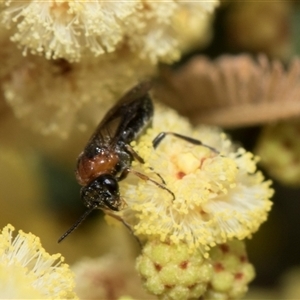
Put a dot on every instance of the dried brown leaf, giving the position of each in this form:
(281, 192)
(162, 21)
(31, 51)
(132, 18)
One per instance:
(233, 91)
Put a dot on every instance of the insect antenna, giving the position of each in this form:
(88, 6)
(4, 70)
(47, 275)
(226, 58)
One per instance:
(76, 224)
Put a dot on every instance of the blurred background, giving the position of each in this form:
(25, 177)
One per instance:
(249, 53)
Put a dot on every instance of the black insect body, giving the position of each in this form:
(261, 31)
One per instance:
(107, 157)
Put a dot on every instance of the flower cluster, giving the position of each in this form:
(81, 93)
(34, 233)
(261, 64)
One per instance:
(27, 271)
(108, 277)
(219, 194)
(279, 149)
(232, 271)
(67, 29)
(55, 97)
(170, 272)
(203, 196)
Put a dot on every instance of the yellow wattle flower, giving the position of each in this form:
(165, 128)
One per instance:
(27, 271)
(218, 195)
(69, 28)
(108, 277)
(169, 271)
(54, 97)
(279, 149)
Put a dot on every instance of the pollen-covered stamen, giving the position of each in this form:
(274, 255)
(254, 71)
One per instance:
(28, 271)
(69, 29)
(61, 12)
(217, 196)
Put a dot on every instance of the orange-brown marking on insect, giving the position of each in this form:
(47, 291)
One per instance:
(90, 169)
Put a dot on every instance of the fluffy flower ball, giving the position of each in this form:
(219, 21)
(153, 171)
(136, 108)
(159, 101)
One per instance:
(55, 97)
(279, 149)
(218, 195)
(67, 29)
(27, 271)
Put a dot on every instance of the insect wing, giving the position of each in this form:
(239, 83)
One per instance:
(118, 119)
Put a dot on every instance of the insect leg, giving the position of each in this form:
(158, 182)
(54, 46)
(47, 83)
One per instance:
(125, 224)
(146, 178)
(140, 160)
(123, 174)
(158, 175)
(188, 139)
(134, 154)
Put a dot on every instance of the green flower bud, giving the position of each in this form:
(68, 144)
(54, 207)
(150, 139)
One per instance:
(231, 272)
(172, 272)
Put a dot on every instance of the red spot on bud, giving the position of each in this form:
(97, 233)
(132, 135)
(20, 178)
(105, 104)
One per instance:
(224, 248)
(157, 267)
(183, 265)
(169, 286)
(192, 286)
(239, 276)
(180, 175)
(243, 258)
(218, 267)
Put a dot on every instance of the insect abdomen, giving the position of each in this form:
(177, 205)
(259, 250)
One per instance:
(89, 169)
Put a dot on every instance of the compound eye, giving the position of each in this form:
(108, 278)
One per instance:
(111, 184)
(103, 192)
